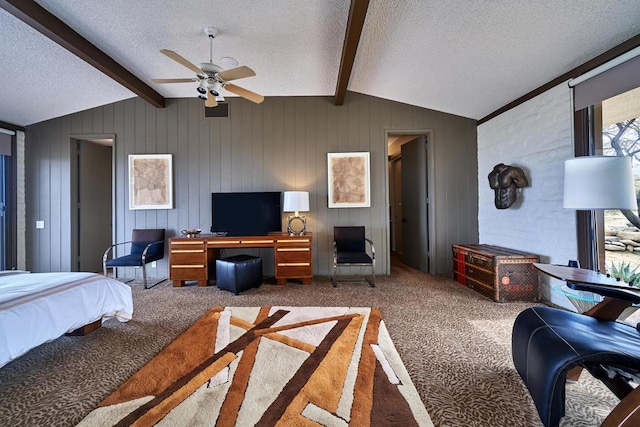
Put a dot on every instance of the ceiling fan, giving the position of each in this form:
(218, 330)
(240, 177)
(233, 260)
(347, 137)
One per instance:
(213, 78)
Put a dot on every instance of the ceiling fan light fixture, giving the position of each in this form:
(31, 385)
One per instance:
(215, 87)
(202, 87)
(203, 96)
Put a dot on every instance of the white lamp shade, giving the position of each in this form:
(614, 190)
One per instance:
(599, 182)
(296, 201)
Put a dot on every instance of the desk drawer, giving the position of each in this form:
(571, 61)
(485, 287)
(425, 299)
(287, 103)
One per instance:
(241, 242)
(188, 256)
(293, 241)
(187, 272)
(294, 269)
(183, 243)
(284, 255)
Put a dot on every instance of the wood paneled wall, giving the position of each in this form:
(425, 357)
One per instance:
(279, 145)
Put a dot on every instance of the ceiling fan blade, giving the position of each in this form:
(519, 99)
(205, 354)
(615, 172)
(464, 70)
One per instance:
(245, 93)
(171, 54)
(174, 80)
(236, 73)
(211, 102)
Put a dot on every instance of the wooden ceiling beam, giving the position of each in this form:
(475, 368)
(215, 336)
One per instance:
(48, 24)
(355, 23)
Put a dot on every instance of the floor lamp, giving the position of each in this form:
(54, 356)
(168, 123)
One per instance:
(598, 183)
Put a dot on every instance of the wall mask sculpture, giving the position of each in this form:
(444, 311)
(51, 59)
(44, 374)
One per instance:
(505, 181)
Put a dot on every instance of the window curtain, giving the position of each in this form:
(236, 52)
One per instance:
(614, 81)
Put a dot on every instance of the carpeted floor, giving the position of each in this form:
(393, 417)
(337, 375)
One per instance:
(454, 343)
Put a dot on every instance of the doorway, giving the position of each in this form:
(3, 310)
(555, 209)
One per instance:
(92, 199)
(409, 209)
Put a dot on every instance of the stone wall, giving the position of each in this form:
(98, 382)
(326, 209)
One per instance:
(537, 137)
(622, 238)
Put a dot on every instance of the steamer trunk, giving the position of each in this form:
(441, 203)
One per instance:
(498, 273)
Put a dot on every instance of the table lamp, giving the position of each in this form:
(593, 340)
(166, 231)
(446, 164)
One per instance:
(599, 182)
(296, 201)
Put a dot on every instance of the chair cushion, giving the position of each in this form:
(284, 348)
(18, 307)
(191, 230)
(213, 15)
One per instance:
(132, 260)
(353, 258)
(548, 342)
(349, 239)
(154, 250)
(140, 238)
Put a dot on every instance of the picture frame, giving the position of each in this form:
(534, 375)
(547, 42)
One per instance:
(349, 179)
(150, 181)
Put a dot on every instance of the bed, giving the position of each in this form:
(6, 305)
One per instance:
(39, 307)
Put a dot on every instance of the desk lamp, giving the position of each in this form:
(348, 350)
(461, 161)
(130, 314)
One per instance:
(296, 201)
(598, 182)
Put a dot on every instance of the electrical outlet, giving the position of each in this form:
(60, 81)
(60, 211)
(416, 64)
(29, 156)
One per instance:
(39, 224)
(153, 264)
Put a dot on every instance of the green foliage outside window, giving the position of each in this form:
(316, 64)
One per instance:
(625, 273)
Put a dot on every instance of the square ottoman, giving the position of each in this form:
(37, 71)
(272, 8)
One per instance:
(238, 273)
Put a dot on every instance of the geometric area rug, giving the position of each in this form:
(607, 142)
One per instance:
(267, 366)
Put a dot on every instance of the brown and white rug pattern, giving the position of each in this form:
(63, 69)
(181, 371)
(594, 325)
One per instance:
(327, 366)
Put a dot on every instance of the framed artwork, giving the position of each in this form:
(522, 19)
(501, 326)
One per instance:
(349, 178)
(150, 181)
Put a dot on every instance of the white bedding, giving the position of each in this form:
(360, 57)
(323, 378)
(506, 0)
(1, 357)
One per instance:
(40, 307)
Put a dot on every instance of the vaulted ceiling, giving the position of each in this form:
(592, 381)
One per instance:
(465, 57)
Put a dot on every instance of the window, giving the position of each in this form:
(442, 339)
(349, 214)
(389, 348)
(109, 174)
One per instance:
(7, 203)
(606, 120)
(619, 122)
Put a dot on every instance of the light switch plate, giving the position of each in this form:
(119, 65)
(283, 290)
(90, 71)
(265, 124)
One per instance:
(39, 224)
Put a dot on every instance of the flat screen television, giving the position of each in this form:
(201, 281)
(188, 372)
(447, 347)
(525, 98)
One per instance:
(246, 214)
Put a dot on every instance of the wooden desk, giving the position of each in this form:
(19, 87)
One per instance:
(195, 258)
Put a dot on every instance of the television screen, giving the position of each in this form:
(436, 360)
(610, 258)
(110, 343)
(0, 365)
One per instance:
(246, 214)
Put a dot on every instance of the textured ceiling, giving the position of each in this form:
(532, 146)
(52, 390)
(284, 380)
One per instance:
(462, 57)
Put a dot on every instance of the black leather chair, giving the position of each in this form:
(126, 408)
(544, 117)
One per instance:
(147, 245)
(349, 250)
(551, 345)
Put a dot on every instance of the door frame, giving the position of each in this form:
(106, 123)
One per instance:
(431, 220)
(74, 140)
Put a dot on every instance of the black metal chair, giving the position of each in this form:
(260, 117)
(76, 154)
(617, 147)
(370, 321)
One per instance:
(147, 245)
(550, 345)
(349, 250)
